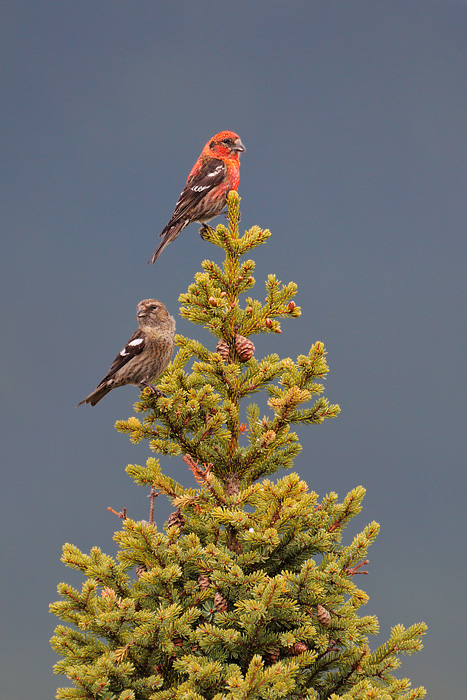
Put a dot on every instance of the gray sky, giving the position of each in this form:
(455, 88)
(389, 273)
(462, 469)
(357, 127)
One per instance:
(354, 116)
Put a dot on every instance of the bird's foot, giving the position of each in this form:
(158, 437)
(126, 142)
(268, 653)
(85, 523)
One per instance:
(206, 232)
(153, 389)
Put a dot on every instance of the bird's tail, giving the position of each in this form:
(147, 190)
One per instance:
(168, 235)
(96, 395)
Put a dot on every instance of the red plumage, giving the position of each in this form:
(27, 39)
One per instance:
(215, 173)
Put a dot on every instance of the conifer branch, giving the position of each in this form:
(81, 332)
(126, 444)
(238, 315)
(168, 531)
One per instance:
(204, 477)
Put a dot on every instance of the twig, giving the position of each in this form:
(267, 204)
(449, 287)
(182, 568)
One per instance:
(354, 570)
(121, 515)
(153, 495)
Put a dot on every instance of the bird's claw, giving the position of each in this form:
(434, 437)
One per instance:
(206, 231)
(153, 389)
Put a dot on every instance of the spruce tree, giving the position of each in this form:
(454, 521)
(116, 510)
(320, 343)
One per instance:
(248, 590)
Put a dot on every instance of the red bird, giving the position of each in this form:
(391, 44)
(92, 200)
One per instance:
(215, 173)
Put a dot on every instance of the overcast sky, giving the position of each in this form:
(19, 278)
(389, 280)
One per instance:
(354, 116)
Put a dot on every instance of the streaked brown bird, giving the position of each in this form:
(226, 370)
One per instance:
(145, 356)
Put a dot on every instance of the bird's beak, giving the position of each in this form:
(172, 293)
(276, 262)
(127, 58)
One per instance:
(238, 146)
(141, 312)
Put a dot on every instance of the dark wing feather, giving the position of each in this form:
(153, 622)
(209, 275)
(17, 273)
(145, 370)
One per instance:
(210, 175)
(134, 347)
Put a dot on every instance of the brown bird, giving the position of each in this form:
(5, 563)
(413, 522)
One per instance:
(145, 356)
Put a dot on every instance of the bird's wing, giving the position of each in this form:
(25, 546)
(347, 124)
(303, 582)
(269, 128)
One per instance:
(210, 175)
(133, 347)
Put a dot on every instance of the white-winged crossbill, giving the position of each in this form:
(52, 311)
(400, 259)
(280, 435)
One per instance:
(146, 354)
(215, 173)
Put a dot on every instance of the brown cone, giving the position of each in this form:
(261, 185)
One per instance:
(220, 602)
(323, 615)
(272, 655)
(176, 519)
(244, 347)
(203, 582)
(223, 349)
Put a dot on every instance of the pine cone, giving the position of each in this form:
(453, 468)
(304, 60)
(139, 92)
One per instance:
(223, 349)
(271, 655)
(140, 569)
(176, 519)
(299, 648)
(323, 615)
(203, 582)
(220, 602)
(244, 347)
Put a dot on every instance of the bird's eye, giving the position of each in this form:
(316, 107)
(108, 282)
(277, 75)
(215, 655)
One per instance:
(228, 142)
(153, 307)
